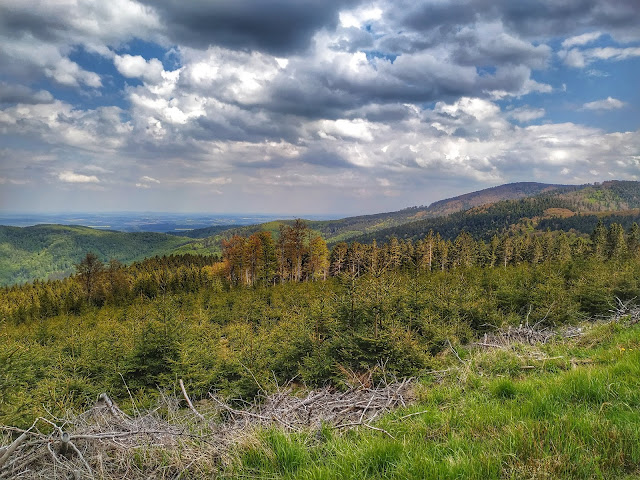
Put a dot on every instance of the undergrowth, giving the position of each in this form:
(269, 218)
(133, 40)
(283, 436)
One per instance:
(574, 414)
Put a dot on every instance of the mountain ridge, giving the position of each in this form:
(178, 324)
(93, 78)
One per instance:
(51, 251)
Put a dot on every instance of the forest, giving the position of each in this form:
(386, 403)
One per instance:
(289, 310)
(49, 252)
(293, 309)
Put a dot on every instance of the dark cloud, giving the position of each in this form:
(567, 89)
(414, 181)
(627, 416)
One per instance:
(324, 158)
(488, 48)
(550, 18)
(533, 19)
(418, 78)
(240, 130)
(424, 16)
(275, 26)
(308, 95)
(15, 22)
(13, 94)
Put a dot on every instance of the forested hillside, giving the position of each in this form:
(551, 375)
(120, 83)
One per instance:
(350, 227)
(485, 213)
(290, 311)
(51, 251)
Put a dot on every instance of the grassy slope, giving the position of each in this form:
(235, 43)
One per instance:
(44, 250)
(503, 414)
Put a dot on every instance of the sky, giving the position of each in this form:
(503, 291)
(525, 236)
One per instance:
(310, 106)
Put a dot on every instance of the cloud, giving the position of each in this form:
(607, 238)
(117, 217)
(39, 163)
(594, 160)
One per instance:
(272, 98)
(58, 123)
(597, 73)
(279, 27)
(147, 179)
(26, 56)
(135, 66)
(581, 58)
(581, 39)
(71, 177)
(38, 37)
(526, 114)
(573, 58)
(207, 181)
(539, 20)
(612, 53)
(608, 103)
(489, 44)
(78, 21)
(12, 93)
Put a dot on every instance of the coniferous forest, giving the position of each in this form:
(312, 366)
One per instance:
(284, 309)
(290, 308)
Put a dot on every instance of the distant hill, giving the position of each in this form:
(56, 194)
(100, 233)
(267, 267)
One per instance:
(348, 228)
(575, 208)
(51, 251)
(509, 191)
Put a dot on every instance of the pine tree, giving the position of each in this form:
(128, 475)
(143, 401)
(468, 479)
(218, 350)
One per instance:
(599, 240)
(633, 241)
(616, 242)
(89, 271)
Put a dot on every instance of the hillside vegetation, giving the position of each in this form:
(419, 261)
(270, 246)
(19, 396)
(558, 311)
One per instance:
(486, 212)
(289, 312)
(347, 228)
(51, 251)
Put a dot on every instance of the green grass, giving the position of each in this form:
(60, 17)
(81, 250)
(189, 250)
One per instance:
(575, 421)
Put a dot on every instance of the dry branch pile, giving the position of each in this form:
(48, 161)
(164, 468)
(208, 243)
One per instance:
(104, 442)
(523, 334)
(628, 311)
(357, 406)
(170, 442)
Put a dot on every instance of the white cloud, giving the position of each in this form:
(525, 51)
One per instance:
(207, 181)
(581, 58)
(343, 128)
(612, 53)
(526, 114)
(597, 73)
(573, 58)
(71, 177)
(135, 66)
(608, 103)
(581, 39)
(149, 179)
(355, 18)
(13, 181)
(69, 73)
(28, 52)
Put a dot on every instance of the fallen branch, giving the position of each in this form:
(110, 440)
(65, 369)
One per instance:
(101, 439)
(191, 407)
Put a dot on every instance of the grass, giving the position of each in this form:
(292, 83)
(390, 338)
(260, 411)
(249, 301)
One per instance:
(577, 420)
(566, 410)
